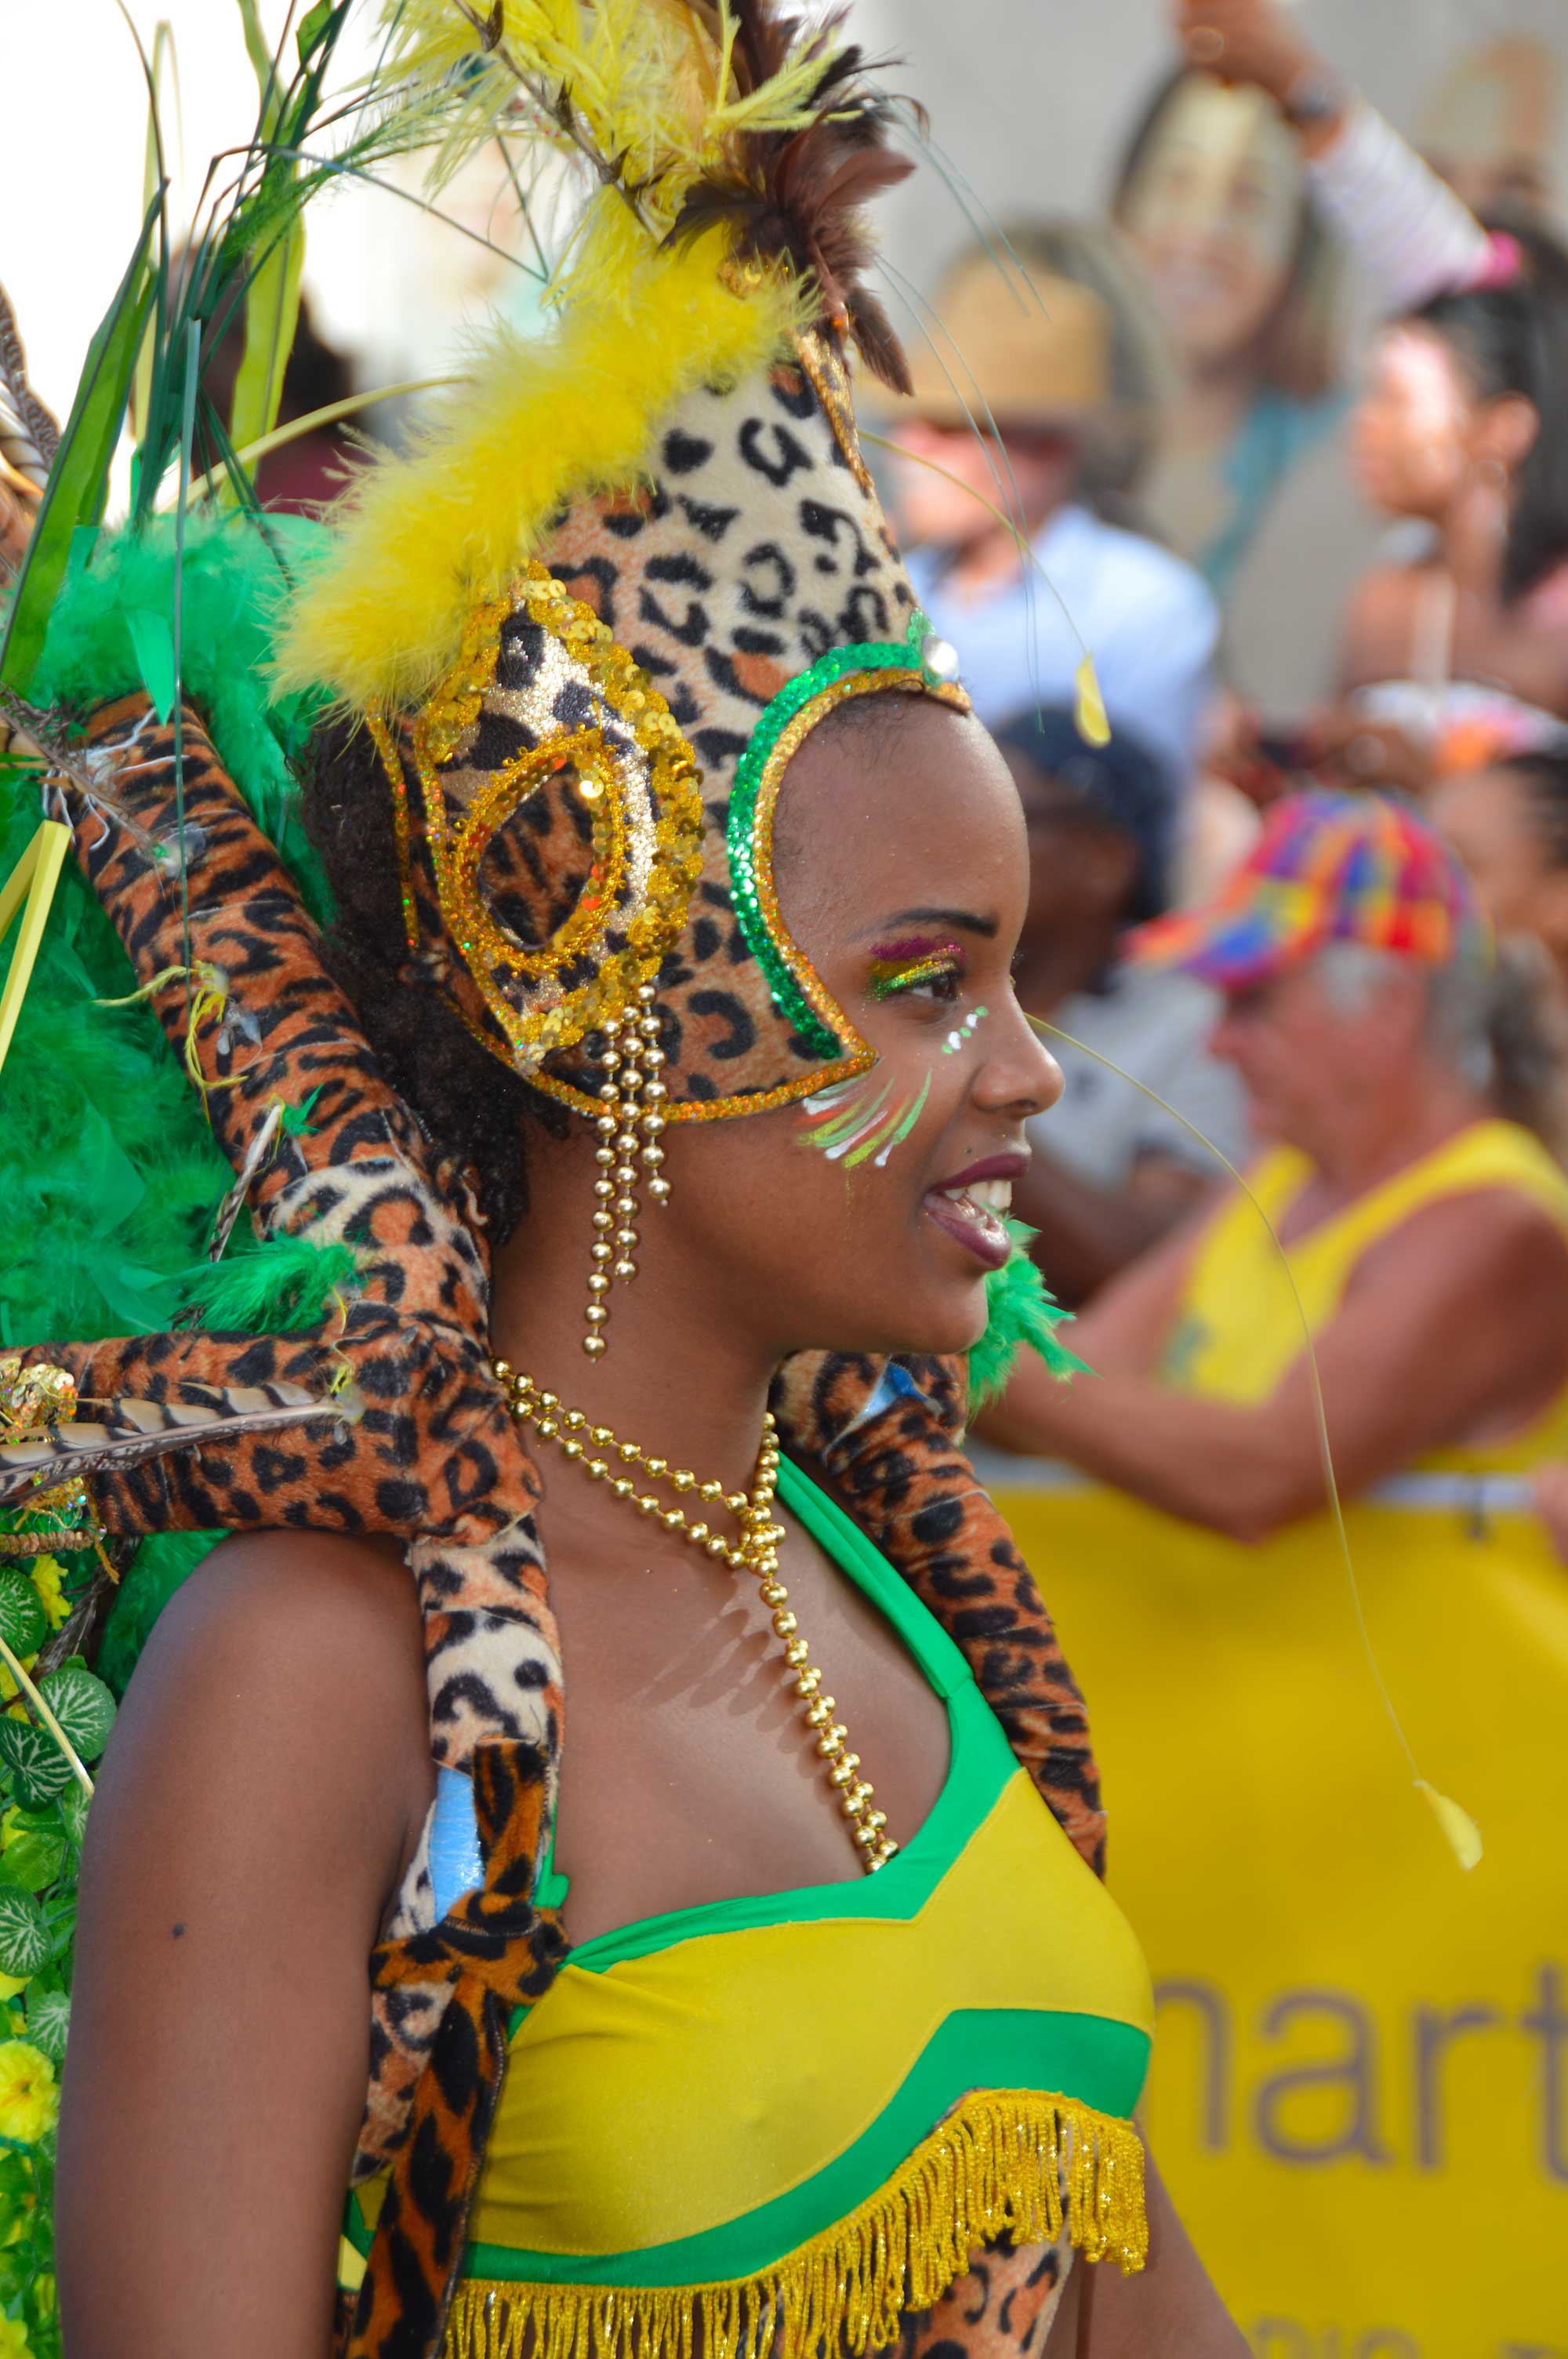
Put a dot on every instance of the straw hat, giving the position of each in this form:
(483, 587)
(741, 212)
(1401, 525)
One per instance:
(1040, 358)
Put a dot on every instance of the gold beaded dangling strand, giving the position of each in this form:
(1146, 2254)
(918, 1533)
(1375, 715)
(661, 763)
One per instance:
(756, 1551)
(632, 1099)
(654, 1093)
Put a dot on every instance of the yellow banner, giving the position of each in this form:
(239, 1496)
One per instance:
(1359, 2091)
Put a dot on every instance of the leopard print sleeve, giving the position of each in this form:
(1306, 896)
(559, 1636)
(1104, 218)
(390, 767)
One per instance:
(899, 1467)
(384, 1417)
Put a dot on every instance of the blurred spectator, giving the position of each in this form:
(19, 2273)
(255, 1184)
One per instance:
(1510, 826)
(1218, 824)
(1427, 1240)
(308, 469)
(1462, 653)
(1035, 368)
(1551, 1504)
(1253, 165)
(23, 472)
(1493, 126)
(1110, 1171)
(18, 513)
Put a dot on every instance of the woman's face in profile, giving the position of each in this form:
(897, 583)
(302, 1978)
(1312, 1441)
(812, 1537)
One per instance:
(1410, 436)
(1214, 211)
(869, 1218)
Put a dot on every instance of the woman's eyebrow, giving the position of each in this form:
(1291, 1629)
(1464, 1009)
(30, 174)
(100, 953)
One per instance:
(967, 921)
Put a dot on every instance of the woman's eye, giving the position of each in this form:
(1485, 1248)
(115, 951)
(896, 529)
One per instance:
(930, 974)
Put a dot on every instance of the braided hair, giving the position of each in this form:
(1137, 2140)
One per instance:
(470, 1103)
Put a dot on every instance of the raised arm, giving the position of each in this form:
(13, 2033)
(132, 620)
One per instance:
(1407, 230)
(1460, 1316)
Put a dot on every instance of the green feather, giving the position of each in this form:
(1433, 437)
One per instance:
(280, 1289)
(230, 586)
(109, 1176)
(1021, 1311)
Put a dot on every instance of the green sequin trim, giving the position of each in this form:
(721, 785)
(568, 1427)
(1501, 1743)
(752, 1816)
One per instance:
(748, 884)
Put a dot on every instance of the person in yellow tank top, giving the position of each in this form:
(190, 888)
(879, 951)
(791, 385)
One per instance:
(1427, 1240)
(1354, 2039)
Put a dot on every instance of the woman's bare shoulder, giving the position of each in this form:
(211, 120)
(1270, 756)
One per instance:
(297, 1590)
(292, 1655)
(1378, 618)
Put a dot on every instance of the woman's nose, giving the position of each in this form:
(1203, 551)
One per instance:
(1019, 1075)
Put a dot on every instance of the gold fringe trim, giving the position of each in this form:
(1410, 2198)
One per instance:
(1003, 2163)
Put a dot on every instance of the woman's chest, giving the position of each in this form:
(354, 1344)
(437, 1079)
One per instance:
(693, 1768)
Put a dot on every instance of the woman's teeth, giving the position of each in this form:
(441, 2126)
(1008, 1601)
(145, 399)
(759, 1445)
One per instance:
(972, 1216)
(984, 1195)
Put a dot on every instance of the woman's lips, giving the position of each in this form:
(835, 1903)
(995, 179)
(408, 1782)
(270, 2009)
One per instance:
(973, 1215)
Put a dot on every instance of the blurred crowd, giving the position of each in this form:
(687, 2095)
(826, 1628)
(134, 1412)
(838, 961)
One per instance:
(1329, 946)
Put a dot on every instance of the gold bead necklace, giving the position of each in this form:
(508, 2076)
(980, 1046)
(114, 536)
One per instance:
(755, 1551)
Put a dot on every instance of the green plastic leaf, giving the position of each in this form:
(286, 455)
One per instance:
(72, 1809)
(272, 316)
(82, 1705)
(23, 1936)
(260, 57)
(49, 2021)
(24, 1625)
(32, 1860)
(39, 1770)
(163, 59)
(78, 479)
(313, 27)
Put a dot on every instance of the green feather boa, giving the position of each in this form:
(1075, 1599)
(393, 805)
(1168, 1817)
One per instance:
(1021, 1310)
(109, 1177)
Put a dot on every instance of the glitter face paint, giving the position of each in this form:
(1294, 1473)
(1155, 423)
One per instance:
(854, 1124)
(965, 1031)
(908, 965)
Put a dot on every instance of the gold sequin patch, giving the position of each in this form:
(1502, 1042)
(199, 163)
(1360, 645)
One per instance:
(642, 800)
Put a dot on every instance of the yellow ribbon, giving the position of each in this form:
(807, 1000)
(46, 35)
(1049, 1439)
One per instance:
(30, 887)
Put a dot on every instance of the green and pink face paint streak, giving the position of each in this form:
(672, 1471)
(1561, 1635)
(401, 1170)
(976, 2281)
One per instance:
(850, 1123)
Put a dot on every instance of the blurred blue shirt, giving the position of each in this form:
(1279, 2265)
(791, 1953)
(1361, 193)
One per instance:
(1147, 619)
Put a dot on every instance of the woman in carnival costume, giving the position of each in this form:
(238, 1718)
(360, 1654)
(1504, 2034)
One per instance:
(652, 1131)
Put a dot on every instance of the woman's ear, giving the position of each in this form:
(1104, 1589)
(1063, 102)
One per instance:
(1506, 432)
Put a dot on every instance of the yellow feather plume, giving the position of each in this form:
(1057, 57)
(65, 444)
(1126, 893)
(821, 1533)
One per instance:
(644, 88)
(645, 91)
(423, 538)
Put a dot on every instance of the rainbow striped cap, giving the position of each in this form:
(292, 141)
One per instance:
(1325, 868)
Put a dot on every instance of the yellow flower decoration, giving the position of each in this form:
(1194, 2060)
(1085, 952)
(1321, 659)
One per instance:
(29, 2099)
(49, 1574)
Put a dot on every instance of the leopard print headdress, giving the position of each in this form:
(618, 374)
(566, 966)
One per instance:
(620, 577)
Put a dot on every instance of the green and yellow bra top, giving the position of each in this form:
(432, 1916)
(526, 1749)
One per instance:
(799, 2116)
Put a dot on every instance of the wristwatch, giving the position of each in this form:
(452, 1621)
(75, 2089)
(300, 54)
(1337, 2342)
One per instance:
(1316, 96)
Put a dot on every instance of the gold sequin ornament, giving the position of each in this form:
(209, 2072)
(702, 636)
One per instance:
(629, 1123)
(589, 717)
(755, 1550)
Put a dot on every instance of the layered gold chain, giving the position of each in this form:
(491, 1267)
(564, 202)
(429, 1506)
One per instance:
(597, 1450)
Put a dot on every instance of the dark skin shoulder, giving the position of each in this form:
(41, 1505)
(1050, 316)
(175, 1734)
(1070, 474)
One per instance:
(262, 1791)
(1518, 647)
